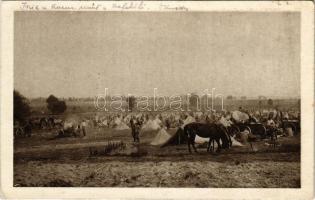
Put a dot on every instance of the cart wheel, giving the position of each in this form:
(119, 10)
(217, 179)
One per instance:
(19, 132)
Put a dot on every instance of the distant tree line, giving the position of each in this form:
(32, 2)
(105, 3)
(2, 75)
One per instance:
(21, 107)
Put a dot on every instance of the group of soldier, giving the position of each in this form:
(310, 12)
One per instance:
(167, 119)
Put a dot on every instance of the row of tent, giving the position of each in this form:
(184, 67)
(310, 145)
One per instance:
(164, 138)
(149, 125)
(154, 123)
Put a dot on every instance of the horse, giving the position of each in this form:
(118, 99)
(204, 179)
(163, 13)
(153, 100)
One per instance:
(23, 130)
(211, 131)
(43, 123)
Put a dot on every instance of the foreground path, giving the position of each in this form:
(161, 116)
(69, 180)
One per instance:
(68, 162)
(159, 174)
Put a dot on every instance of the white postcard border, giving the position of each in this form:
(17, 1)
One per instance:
(307, 102)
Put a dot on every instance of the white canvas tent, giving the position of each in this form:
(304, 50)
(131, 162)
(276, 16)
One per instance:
(225, 122)
(188, 120)
(239, 116)
(236, 143)
(152, 125)
(71, 122)
(161, 138)
(120, 124)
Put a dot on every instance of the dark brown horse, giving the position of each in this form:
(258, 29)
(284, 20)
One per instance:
(212, 131)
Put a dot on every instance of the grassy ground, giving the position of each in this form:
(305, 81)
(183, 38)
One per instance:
(37, 162)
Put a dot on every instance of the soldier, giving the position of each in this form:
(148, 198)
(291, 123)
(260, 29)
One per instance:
(271, 128)
(167, 123)
(135, 129)
(83, 127)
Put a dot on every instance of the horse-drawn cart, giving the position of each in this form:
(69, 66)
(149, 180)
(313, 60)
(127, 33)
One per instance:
(254, 128)
(244, 122)
(22, 130)
(292, 123)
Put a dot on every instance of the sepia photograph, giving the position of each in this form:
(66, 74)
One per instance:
(173, 99)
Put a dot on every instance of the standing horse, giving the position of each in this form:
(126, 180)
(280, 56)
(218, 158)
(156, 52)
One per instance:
(211, 131)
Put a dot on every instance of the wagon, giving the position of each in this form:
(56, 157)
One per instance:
(24, 130)
(242, 122)
(255, 128)
(292, 123)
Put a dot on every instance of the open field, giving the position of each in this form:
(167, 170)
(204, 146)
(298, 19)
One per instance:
(94, 93)
(85, 106)
(44, 160)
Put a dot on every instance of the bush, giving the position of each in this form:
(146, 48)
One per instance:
(229, 97)
(52, 99)
(55, 106)
(21, 108)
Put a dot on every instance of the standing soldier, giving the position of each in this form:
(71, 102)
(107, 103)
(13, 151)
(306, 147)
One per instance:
(167, 123)
(133, 128)
(271, 128)
(137, 130)
(83, 127)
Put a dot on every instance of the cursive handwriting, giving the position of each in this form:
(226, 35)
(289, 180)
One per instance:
(176, 8)
(92, 6)
(28, 6)
(121, 6)
(129, 5)
(61, 7)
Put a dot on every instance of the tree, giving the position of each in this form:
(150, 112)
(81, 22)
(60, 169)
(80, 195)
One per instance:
(299, 103)
(270, 102)
(21, 108)
(131, 100)
(259, 103)
(230, 97)
(60, 107)
(51, 99)
(51, 102)
(55, 106)
(194, 100)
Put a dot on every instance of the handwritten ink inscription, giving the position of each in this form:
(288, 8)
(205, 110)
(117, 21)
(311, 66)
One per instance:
(120, 6)
(174, 8)
(129, 6)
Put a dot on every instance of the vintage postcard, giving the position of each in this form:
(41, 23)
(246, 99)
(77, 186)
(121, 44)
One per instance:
(157, 100)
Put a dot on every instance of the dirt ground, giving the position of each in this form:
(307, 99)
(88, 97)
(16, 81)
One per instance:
(44, 160)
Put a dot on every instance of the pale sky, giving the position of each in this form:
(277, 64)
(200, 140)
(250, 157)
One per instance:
(78, 54)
